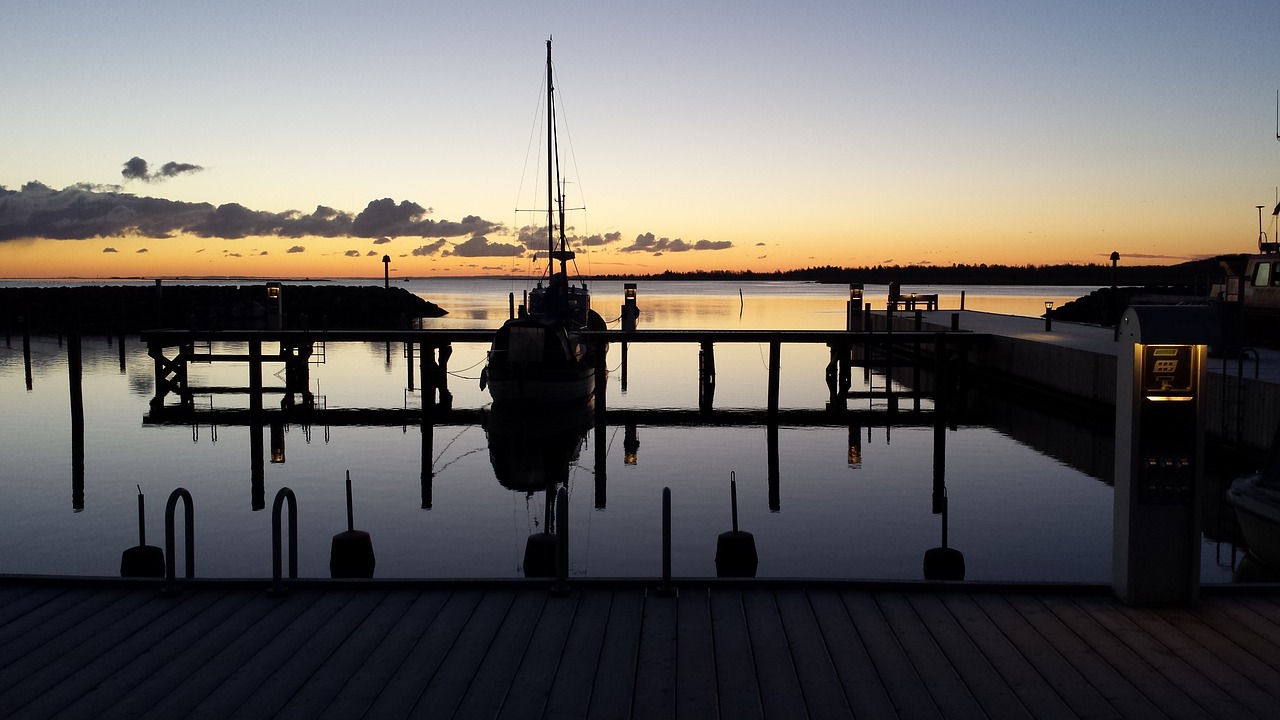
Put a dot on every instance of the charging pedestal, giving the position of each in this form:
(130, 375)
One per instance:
(1159, 453)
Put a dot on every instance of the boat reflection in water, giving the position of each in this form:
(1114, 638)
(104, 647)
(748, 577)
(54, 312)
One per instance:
(532, 448)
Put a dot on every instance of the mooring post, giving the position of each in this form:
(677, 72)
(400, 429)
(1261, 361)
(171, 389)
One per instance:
(408, 353)
(75, 373)
(775, 366)
(775, 479)
(426, 362)
(255, 374)
(428, 453)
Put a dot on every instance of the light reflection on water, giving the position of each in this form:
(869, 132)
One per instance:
(1016, 513)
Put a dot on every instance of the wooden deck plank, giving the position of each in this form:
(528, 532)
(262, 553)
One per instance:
(570, 692)
(695, 657)
(364, 687)
(615, 674)
(820, 685)
(487, 689)
(780, 693)
(445, 688)
(121, 658)
(1037, 698)
(17, 601)
(185, 661)
(268, 679)
(737, 685)
(76, 643)
(61, 615)
(1082, 698)
(348, 658)
(1211, 615)
(900, 677)
(406, 685)
(940, 678)
(527, 695)
(1217, 687)
(1251, 615)
(1157, 688)
(213, 686)
(656, 659)
(864, 690)
(1125, 696)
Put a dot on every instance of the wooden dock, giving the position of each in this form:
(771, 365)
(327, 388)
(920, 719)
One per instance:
(510, 649)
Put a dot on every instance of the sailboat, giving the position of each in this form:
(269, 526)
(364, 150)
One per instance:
(540, 356)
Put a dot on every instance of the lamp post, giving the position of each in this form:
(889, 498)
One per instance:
(1115, 297)
(1048, 316)
(386, 272)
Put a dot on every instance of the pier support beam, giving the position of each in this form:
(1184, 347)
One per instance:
(775, 366)
(706, 377)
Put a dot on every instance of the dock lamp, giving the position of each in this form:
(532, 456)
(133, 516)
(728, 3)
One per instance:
(1048, 316)
(630, 312)
(1159, 453)
(275, 307)
(853, 312)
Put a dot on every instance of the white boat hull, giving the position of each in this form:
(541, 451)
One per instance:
(1258, 514)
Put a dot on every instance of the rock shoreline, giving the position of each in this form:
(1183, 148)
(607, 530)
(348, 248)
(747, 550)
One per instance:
(110, 309)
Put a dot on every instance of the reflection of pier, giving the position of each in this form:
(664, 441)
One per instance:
(174, 350)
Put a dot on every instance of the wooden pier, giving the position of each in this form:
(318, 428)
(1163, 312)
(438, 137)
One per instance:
(609, 649)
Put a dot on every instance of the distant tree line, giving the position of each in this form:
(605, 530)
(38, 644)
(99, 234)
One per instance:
(1193, 273)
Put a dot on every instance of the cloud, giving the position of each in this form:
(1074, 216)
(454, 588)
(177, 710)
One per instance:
(135, 168)
(139, 251)
(296, 249)
(382, 241)
(646, 242)
(371, 254)
(479, 246)
(352, 253)
(109, 250)
(429, 249)
(759, 244)
(85, 211)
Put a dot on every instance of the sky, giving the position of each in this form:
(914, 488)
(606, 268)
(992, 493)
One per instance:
(310, 139)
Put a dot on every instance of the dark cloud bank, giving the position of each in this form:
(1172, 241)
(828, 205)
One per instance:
(86, 211)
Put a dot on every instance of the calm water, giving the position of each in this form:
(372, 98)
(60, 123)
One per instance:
(1029, 495)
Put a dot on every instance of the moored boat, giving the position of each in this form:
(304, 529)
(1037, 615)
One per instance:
(540, 356)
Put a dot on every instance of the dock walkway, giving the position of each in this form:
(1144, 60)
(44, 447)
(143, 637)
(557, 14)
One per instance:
(785, 649)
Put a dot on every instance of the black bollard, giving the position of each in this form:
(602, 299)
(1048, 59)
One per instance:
(145, 560)
(736, 549)
(351, 555)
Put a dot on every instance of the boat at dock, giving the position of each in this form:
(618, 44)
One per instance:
(540, 355)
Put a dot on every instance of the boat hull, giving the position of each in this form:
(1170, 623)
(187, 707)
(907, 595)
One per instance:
(1258, 514)
(532, 384)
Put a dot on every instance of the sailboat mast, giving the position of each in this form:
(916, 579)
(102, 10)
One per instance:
(551, 119)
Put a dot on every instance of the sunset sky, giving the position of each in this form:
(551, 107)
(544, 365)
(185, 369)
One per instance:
(294, 139)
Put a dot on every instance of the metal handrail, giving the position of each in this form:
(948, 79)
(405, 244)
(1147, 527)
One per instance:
(277, 584)
(170, 584)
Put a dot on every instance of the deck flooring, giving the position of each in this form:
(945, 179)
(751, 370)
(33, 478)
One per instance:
(78, 649)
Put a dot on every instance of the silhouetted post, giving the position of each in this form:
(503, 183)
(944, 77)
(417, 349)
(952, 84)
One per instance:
(75, 376)
(1115, 297)
(441, 379)
(408, 353)
(1048, 316)
(386, 272)
(602, 460)
(666, 589)
(255, 375)
(561, 585)
(427, 362)
(624, 366)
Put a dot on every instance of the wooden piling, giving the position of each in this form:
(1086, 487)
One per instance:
(255, 375)
(408, 353)
(75, 375)
(706, 377)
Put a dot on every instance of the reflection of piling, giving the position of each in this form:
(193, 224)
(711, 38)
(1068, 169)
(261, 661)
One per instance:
(408, 353)
(706, 377)
(257, 467)
(428, 451)
(775, 491)
(75, 373)
(775, 366)
(255, 375)
(26, 349)
(561, 585)
(666, 588)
